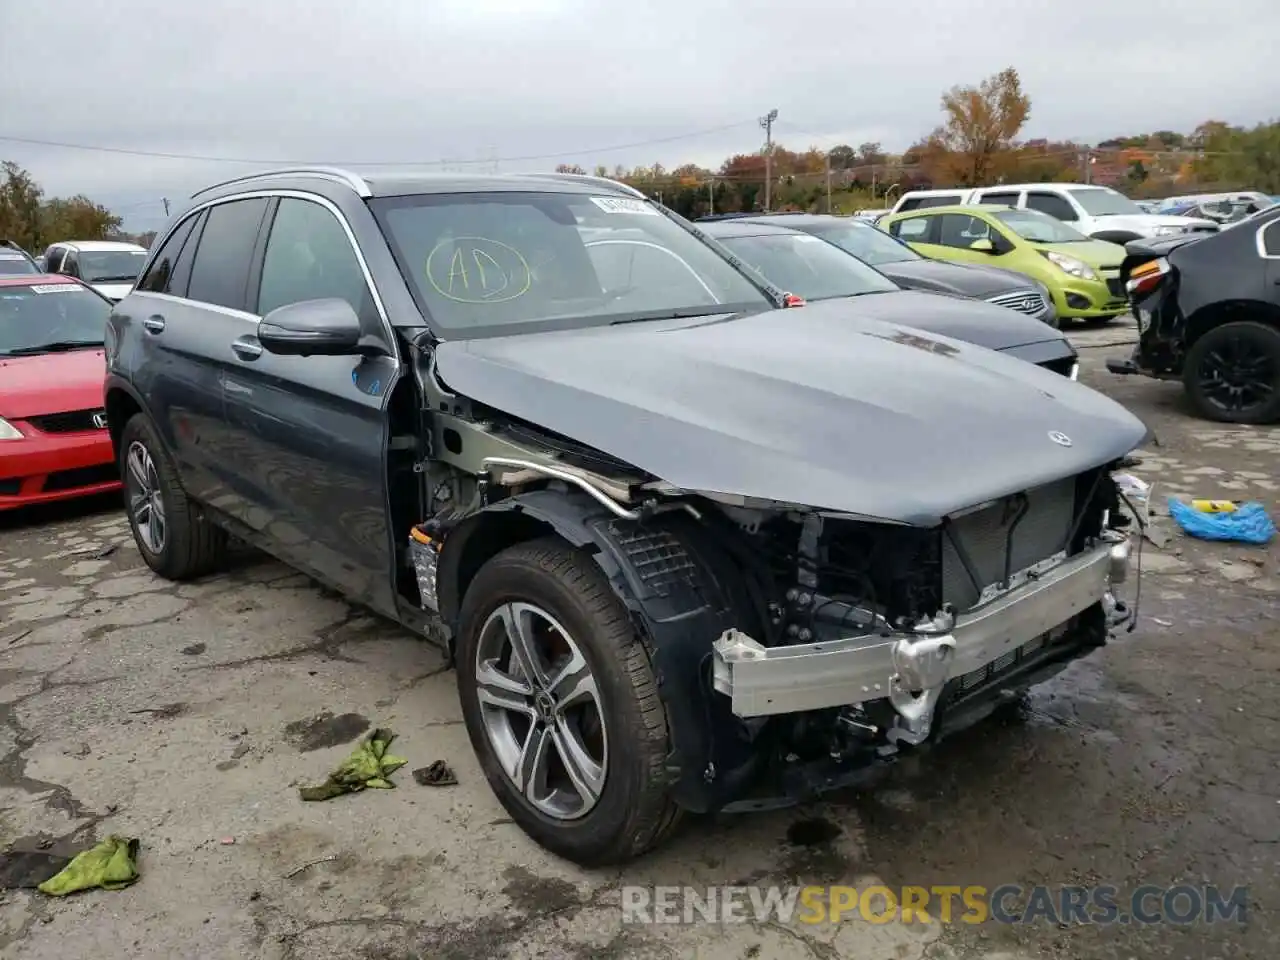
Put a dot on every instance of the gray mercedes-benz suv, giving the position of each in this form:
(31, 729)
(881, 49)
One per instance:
(681, 543)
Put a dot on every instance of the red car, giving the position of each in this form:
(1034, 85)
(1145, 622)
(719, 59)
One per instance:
(54, 443)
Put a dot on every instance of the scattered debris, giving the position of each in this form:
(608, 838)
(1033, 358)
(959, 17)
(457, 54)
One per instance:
(194, 650)
(1247, 523)
(166, 712)
(10, 641)
(1163, 623)
(105, 552)
(240, 750)
(1157, 534)
(227, 841)
(310, 863)
(436, 774)
(369, 766)
(109, 865)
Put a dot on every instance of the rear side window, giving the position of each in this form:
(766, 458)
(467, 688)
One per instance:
(220, 272)
(1052, 204)
(159, 274)
(1271, 238)
(920, 203)
(914, 229)
(999, 199)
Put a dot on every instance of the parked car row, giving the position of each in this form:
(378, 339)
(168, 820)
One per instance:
(693, 541)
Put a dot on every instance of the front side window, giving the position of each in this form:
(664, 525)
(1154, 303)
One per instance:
(805, 265)
(309, 257)
(220, 272)
(111, 266)
(50, 317)
(159, 274)
(1038, 227)
(485, 264)
(1104, 202)
(1271, 238)
(869, 244)
(962, 231)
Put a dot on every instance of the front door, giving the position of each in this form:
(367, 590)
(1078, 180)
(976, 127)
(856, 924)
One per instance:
(311, 432)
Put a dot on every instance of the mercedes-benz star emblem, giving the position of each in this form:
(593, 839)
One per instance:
(1060, 438)
(100, 421)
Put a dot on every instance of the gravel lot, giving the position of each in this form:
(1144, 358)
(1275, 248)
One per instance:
(188, 715)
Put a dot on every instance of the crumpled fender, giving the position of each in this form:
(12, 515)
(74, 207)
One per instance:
(680, 606)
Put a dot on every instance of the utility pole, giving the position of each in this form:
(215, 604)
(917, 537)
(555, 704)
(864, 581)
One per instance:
(767, 122)
(828, 165)
(165, 200)
(711, 195)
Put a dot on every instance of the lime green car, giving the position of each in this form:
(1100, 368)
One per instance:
(1083, 275)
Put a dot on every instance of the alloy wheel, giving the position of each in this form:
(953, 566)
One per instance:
(541, 710)
(146, 507)
(1237, 376)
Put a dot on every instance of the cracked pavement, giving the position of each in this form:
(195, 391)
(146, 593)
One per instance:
(188, 715)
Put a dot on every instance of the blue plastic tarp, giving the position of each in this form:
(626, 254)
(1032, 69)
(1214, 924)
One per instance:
(1248, 523)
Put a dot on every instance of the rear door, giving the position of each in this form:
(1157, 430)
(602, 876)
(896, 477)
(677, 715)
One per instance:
(310, 433)
(1269, 248)
(921, 233)
(189, 306)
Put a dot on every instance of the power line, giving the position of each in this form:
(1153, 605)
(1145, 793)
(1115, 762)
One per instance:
(207, 158)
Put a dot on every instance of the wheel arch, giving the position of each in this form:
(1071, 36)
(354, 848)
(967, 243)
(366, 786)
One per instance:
(1230, 311)
(120, 403)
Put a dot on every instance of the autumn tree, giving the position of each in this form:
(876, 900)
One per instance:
(1236, 158)
(33, 222)
(19, 207)
(569, 168)
(979, 128)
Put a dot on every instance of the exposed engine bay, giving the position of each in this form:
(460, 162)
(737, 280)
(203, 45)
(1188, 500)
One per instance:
(726, 589)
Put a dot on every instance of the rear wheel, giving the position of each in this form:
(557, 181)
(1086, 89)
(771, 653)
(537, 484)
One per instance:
(1232, 373)
(562, 707)
(174, 540)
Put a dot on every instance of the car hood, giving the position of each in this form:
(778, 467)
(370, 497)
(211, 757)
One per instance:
(1149, 247)
(51, 383)
(113, 291)
(967, 280)
(1096, 253)
(819, 405)
(1146, 223)
(960, 317)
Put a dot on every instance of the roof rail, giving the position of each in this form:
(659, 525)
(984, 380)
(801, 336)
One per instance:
(589, 178)
(336, 174)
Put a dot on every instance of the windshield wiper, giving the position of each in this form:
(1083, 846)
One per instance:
(54, 346)
(686, 314)
(127, 278)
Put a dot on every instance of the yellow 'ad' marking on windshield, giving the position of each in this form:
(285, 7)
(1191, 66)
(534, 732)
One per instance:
(500, 273)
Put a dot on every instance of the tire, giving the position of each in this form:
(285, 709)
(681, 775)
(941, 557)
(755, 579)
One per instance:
(632, 812)
(1258, 345)
(189, 545)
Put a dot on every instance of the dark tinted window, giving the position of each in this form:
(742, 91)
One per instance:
(309, 257)
(70, 264)
(919, 203)
(220, 272)
(53, 259)
(1052, 204)
(962, 231)
(1271, 238)
(999, 199)
(156, 279)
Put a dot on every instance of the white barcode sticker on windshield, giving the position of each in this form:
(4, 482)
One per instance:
(624, 205)
(53, 287)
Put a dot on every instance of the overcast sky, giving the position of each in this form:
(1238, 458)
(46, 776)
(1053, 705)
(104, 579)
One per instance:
(465, 80)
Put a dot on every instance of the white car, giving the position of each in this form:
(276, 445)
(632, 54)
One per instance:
(1098, 212)
(109, 266)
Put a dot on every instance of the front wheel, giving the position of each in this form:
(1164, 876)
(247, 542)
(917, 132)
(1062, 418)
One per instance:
(1232, 373)
(562, 707)
(174, 540)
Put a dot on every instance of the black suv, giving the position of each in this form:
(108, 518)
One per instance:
(682, 543)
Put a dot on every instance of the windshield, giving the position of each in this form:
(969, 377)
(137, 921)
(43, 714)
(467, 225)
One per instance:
(1101, 202)
(110, 266)
(869, 244)
(43, 317)
(805, 265)
(485, 264)
(15, 264)
(1038, 227)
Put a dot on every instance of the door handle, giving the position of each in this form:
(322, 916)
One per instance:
(247, 349)
(153, 323)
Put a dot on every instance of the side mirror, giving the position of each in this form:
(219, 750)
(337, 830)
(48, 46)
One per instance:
(983, 246)
(320, 327)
